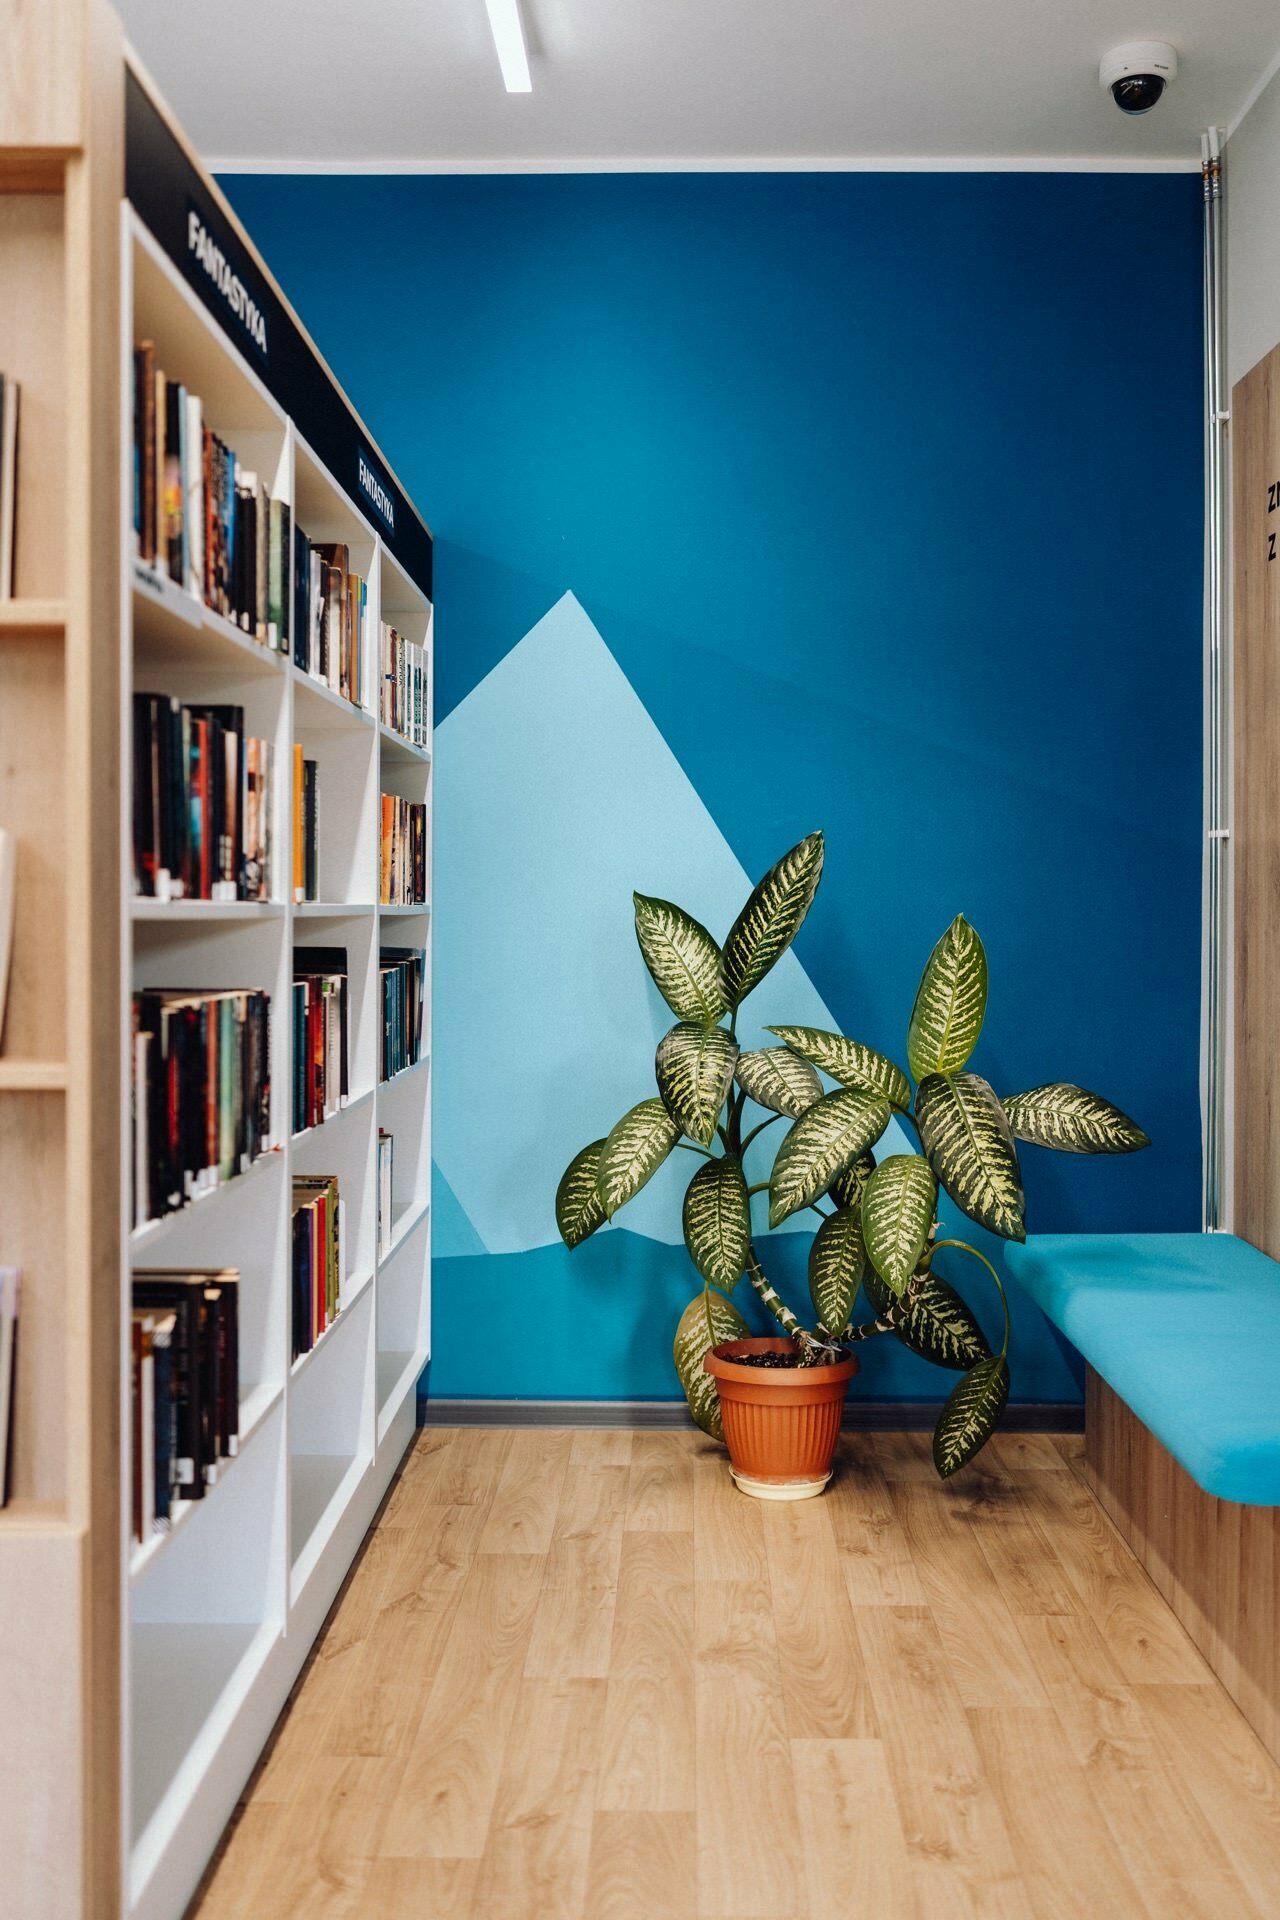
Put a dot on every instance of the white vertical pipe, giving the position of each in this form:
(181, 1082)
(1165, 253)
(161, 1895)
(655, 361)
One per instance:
(1217, 851)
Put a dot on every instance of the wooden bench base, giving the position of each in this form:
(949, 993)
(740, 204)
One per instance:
(1216, 1563)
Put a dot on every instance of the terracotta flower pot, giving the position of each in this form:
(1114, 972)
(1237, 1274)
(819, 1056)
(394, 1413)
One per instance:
(780, 1423)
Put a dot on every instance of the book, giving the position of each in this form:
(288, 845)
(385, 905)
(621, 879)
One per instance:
(317, 1258)
(187, 1412)
(10, 1289)
(402, 975)
(306, 826)
(321, 1027)
(403, 852)
(201, 802)
(10, 394)
(201, 517)
(8, 901)
(201, 1092)
(402, 686)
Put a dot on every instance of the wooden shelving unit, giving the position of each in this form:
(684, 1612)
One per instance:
(176, 1654)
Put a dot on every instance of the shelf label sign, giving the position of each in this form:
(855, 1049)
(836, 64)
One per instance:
(376, 494)
(204, 249)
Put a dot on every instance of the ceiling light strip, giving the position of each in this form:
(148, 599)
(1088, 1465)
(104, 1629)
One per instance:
(508, 38)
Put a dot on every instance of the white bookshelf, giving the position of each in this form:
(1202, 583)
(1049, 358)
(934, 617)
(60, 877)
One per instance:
(221, 1611)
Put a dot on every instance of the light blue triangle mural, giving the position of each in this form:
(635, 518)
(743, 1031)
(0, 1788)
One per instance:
(558, 797)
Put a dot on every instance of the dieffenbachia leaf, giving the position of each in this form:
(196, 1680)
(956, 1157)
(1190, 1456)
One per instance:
(707, 1320)
(837, 1261)
(771, 918)
(579, 1208)
(849, 1062)
(1073, 1120)
(717, 1222)
(847, 1187)
(694, 1066)
(938, 1325)
(964, 1131)
(778, 1079)
(686, 964)
(633, 1153)
(950, 1003)
(898, 1204)
(834, 1131)
(971, 1414)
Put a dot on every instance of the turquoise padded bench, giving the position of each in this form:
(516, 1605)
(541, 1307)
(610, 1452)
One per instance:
(1185, 1329)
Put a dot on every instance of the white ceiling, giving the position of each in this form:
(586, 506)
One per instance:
(703, 83)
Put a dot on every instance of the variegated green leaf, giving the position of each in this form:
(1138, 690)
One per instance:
(849, 1062)
(771, 918)
(707, 1320)
(834, 1131)
(686, 964)
(971, 1414)
(633, 1153)
(898, 1205)
(950, 1003)
(694, 1065)
(938, 1326)
(847, 1187)
(778, 1079)
(965, 1133)
(1073, 1120)
(717, 1221)
(836, 1264)
(579, 1209)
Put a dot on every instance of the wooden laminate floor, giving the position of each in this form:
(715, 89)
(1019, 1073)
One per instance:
(581, 1677)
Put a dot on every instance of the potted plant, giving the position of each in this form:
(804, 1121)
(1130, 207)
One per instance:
(777, 1402)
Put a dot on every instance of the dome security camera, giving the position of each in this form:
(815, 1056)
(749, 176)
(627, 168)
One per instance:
(1137, 74)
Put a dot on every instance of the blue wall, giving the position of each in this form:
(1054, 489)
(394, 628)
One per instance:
(884, 493)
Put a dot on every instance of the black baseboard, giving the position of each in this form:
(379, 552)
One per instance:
(878, 1416)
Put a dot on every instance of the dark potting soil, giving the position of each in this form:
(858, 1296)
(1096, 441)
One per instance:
(778, 1360)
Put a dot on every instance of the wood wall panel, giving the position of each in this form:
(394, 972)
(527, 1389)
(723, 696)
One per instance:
(1255, 430)
(1215, 1562)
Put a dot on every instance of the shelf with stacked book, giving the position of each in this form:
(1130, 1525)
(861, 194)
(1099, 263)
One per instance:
(405, 662)
(352, 1288)
(334, 1034)
(335, 568)
(254, 1409)
(333, 798)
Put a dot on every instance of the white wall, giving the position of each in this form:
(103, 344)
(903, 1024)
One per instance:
(1253, 234)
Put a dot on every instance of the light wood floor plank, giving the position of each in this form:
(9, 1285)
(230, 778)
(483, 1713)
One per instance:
(876, 1560)
(1065, 1855)
(963, 1864)
(1148, 1645)
(573, 1631)
(856, 1859)
(647, 1749)
(601, 1447)
(539, 1843)
(728, 1527)
(418, 1889)
(660, 1490)
(824, 1681)
(644, 1866)
(1175, 1859)
(1223, 1765)
(749, 1866)
(443, 1808)
(523, 1511)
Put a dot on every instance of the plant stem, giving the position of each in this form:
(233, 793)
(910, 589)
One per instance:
(963, 1246)
(769, 1295)
(761, 1186)
(688, 1147)
(760, 1129)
